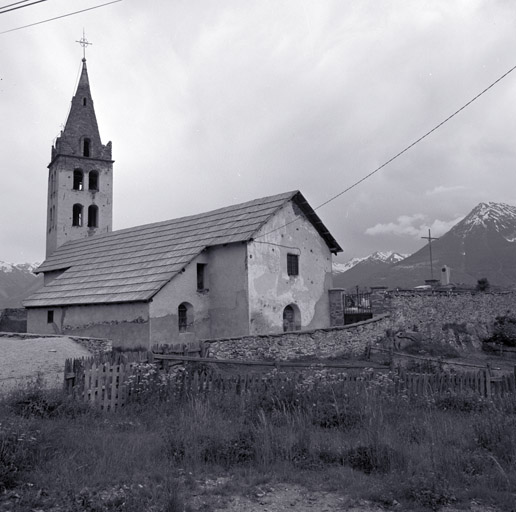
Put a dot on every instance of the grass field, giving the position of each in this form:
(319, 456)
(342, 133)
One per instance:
(399, 452)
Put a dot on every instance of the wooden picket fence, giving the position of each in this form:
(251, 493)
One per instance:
(482, 382)
(101, 381)
(107, 381)
(110, 382)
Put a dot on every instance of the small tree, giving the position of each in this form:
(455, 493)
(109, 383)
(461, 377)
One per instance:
(483, 285)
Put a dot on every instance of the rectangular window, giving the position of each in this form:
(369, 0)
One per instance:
(182, 318)
(50, 316)
(292, 264)
(201, 276)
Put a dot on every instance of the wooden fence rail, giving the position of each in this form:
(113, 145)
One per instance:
(110, 382)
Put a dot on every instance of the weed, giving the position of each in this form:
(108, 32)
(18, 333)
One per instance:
(461, 402)
(428, 490)
(376, 458)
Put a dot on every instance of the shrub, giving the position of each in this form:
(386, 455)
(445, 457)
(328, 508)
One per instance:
(496, 432)
(504, 331)
(483, 285)
(374, 458)
(429, 491)
(18, 452)
(34, 401)
(461, 402)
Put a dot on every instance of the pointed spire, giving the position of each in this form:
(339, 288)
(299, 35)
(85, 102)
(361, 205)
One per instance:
(81, 125)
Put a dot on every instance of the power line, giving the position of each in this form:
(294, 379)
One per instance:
(20, 6)
(62, 16)
(15, 3)
(407, 148)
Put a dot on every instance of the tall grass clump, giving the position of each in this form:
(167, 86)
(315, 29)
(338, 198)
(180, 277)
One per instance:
(366, 435)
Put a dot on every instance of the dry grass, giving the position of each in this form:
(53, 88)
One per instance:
(421, 452)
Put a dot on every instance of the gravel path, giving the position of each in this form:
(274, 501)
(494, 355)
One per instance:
(283, 498)
(22, 360)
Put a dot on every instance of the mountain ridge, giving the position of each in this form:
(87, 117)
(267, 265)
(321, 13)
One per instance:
(482, 244)
(17, 282)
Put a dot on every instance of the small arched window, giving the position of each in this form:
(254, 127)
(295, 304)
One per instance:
(84, 102)
(93, 180)
(78, 179)
(86, 147)
(93, 216)
(291, 318)
(185, 317)
(77, 215)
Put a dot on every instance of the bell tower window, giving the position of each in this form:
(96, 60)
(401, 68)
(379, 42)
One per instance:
(77, 215)
(93, 180)
(93, 216)
(86, 147)
(78, 179)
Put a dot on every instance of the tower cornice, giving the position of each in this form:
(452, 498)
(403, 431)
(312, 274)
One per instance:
(79, 157)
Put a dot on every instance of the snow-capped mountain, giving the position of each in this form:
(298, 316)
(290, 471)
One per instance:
(499, 217)
(17, 282)
(357, 271)
(483, 244)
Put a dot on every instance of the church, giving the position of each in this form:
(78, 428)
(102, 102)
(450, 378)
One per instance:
(260, 267)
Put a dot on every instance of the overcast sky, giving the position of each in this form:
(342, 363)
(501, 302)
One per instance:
(211, 103)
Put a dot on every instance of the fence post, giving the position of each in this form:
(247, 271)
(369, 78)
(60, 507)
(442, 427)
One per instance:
(487, 375)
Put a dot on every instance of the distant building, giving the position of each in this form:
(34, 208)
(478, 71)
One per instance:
(263, 266)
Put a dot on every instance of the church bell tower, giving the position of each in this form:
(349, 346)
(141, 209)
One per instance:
(80, 174)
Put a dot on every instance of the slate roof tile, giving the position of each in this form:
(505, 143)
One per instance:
(134, 264)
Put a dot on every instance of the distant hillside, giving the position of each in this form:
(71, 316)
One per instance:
(483, 244)
(17, 282)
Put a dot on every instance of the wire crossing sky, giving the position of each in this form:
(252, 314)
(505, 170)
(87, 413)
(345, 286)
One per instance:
(407, 148)
(209, 104)
(56, 17)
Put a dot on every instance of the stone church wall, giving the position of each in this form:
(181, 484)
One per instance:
(219, 309)
(271, 289)
(461, 319)
(13, 320)
(350, 340)
(126, 325)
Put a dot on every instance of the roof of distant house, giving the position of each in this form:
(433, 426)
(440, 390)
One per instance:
(133, 264)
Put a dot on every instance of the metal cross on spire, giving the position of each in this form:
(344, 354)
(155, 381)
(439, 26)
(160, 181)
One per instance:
(430, 239)
(83, 42)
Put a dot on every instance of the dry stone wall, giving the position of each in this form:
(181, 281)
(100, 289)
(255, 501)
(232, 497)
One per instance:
(349, 340)
(13, 320)
(461, 320)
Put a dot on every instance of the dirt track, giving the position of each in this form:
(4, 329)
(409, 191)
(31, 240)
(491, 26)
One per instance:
(22, 360)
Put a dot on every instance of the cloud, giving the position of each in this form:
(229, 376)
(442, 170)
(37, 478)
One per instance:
(444, 190)
(440, 227)
(414, 226)
(405, 225)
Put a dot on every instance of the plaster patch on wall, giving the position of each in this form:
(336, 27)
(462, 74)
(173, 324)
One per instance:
(271, 289)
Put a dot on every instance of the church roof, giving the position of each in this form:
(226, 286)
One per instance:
(133, 264)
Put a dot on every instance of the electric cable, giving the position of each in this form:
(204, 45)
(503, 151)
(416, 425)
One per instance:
(15, 3)
(20, 6)
(407, 148)
(59, 17)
